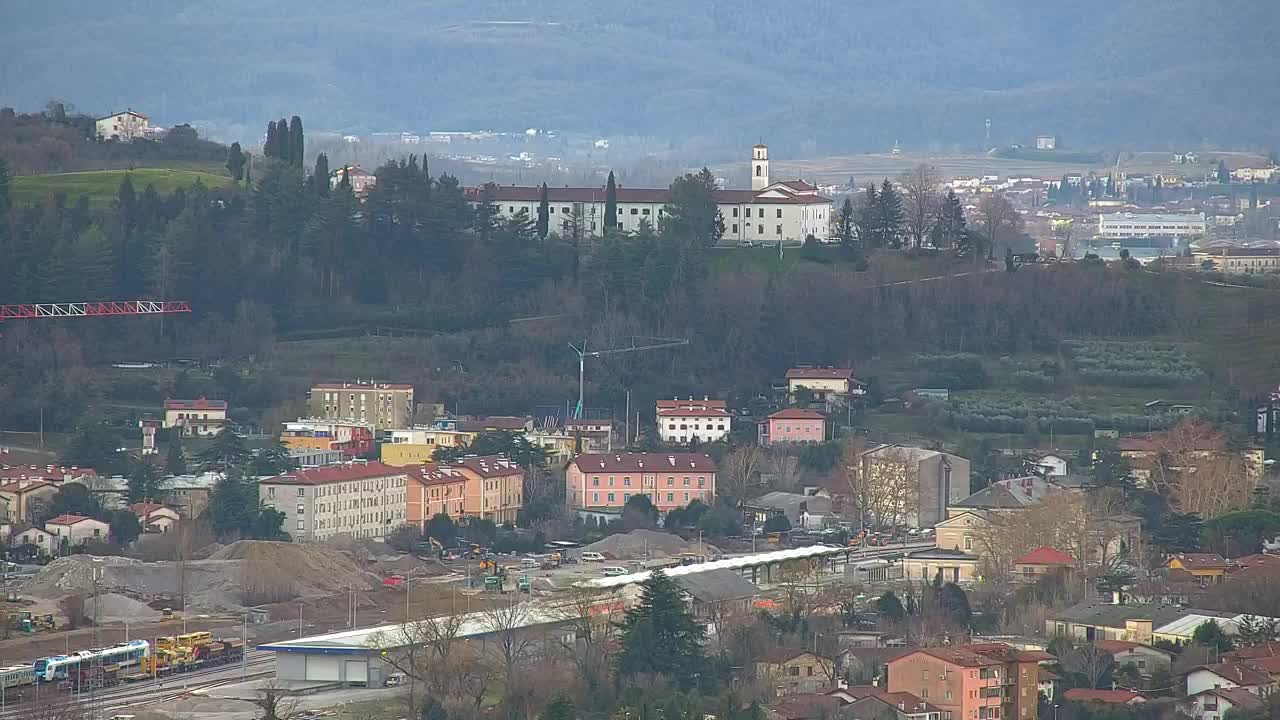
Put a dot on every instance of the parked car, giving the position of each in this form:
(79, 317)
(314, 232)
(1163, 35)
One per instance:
(745, 244)
(613, 571)
(590, 556)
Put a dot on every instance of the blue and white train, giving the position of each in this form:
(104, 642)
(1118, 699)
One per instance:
(49, 669)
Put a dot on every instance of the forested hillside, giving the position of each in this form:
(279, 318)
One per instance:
(836, 75)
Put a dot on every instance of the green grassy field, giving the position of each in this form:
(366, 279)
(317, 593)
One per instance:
(101, 186)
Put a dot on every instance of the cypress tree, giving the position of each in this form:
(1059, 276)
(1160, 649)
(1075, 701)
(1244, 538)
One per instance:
(235, 162)
(296, 143)
(544, 213)
(610, 205)
(269, 147)
(320, 176)
(890, 214)
(284, 145)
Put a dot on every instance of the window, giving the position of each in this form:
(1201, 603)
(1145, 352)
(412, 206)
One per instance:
(760, 229)
(302, 524)
(671, 497)
(779, 213)
(302, 492)
(635, 211)
(809, 670)
(686, 481)
(968, 543)
(595, 482)
(271, 492)
(748, 212)
(645, 211)
(793, 671)
(610, 497)
(626, 481)
(595, 497)
(924, 675)
(735, 226)
(565, 209)
(735, 212)
(946, 695)
(301, 510)
(924, 693)
(759, 170)
(779, 229)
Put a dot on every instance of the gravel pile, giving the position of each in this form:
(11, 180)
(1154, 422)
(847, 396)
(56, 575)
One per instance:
(635, 544)
(114, 607)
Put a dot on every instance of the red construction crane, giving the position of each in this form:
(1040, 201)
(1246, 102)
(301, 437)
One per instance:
(94, 309)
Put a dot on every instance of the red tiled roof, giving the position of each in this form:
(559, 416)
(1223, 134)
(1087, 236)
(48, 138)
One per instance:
(433, 474)
(1114, 697)
(488, 466)
(904, 701)
(980, 654)
(1047, 675)
(67, 520)
(1269, 665)
(820, 374)
(1121, 646)
(693, 412)
(24, 486)
(1045, 556)
(799, 185)
(197, 404)
(1238, 697)
(644, 462)
(1269, 648)
(654, 196)
(1240, 673)
(678, 403)
(797, 414)
(143, 509)
(335, 473)
(1201, 561)
(363, 386)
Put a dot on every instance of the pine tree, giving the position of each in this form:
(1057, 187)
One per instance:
(143, 484)
(951, 222)
(1224, 175)
(845, 223)
(659, 635)
(544, 213)
(269, 147)
(320, 176)
(248, 175)
(227, 451)
(610, 205)
(87, 266)
(866, 219)
(297, 146)
(235, 162)
(889, 214)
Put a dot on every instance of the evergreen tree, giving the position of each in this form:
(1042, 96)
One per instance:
(951, 221)
(269, 148)
(175, 462)
(955, 603)
(560, 707)
(1224, 175)
(320, 176)
(866, 219)
(248, 179)
(610, 206)
(544, 213)
(143, 484)
(82, 267)
(660, 636)
(284, 143)
(718, 229)
(297, 147)
(889, 215)
(1211, 635)
(845, 223)
(691, 214)
(227, 451)
(235, 511)
(235, 162)
(890, 607)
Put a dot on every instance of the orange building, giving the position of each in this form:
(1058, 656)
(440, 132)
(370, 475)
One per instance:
(433, 490)
(987, 681)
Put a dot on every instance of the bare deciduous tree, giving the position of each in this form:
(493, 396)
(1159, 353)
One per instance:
(275, 702)
(884, 484)
(920, 196)
(740, 472)
(998, 219)
(594, 615)
(1199, 473)
(1089, 661)
(421, 648)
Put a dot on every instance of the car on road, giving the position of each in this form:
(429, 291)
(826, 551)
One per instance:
(613, 571)
(745, 244)
(590, 556)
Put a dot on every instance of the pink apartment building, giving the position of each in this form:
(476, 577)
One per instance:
(605, 481)
(793, 425)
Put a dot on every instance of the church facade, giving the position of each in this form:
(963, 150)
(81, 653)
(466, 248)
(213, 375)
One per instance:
(788, 211)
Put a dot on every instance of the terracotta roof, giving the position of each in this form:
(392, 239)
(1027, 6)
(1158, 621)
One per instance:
(1047, 675)
(820, 374)
(1114, 697)
(691, 402)
(693, 412)
(363, 386)
(24, 486)
(797, 414)
(197, 404)
(1121, 646)
(644, 462)
(805, 706)
(1270, 648)
(143, 509)
(780, 655)
(135, 113)
(433, 474)
(1201, 561)
(344, 472)
(1269, 665)
(487, 466)
(1238, 697)
(904, 701)
(653, 196)
(799, 185)
(981, 654)
(1240, 673)
(56, 473)
(1045, 556)
(67, 520)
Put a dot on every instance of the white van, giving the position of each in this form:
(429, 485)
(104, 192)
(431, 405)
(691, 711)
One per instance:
(589, 556)
(613, 571)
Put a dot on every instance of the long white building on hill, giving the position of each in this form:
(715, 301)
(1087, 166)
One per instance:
(787, 211)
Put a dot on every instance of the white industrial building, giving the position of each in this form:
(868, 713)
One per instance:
(1133, 225)
(788, 211)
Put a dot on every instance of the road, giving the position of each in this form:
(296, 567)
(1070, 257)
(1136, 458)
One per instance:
(166, 689)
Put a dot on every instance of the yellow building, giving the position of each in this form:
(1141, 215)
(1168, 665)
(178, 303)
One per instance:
(416, 446)
(1207, 568)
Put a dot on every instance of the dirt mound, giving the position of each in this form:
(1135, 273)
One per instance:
(639, 544)
(114, 607)
(275, 571)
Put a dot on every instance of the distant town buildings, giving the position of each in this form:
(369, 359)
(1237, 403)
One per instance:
(196, 418)
(792, 425)
(360, 499)
(353, 438)
(362, 181)
(1134, 225)
(604, 482)
(385, 405)
(685, 421)
(1046, 142)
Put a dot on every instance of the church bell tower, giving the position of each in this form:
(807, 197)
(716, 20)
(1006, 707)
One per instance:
(759, 167)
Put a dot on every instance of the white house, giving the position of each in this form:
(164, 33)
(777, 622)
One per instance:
(196, 418)
(1052, 465)
(127, 125)
(1214, 703)
(1134, 225)
(154, 517)
(693, 420)
(1225, 676)
(44, 540)
(787, 211)
(825, 383)
(77, 529)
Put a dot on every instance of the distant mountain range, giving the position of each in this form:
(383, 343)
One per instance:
(817, 77)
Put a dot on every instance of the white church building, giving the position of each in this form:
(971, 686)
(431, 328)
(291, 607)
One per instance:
(769, 212)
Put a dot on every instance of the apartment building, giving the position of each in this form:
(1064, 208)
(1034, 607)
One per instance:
(981, 681)
(606, 481)
(685, 421)
(792, 425)
(433, 490)
(494, 487)
(1117, 226)
(385, 405)
(354, 438)
(360, 499)
(922, 483)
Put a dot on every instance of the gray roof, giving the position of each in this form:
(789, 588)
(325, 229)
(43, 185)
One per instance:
(716, 586)
(789, 503)
(941, 554)
(1014, 493)
(1100, 614)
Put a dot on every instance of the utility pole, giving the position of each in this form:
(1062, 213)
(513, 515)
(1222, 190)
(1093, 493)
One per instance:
(637, 344)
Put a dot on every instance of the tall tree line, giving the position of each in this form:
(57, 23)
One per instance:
(285, 141)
